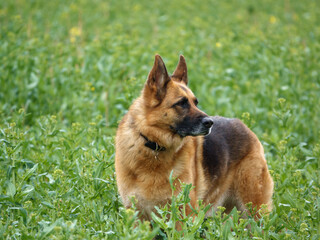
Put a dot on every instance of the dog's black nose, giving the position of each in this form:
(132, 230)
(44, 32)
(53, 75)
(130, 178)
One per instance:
(207, 122)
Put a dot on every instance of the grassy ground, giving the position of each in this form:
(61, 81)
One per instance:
(70, 69)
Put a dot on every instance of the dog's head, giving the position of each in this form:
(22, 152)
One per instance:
(170, 104)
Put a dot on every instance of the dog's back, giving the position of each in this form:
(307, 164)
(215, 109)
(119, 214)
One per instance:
(229, 141)
(234, 166)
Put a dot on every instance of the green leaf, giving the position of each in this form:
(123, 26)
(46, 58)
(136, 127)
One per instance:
(159, 221)
(28, 189)
(50, 177)
(11, 189)
(34, 81)
(98, 170)
(29, 173)
(23, 212)
(47, 204)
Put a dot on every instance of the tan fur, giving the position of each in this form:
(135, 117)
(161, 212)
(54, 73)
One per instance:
(144, 174)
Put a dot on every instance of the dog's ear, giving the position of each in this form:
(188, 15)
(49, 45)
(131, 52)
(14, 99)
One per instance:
(181, 72)
(158, 78)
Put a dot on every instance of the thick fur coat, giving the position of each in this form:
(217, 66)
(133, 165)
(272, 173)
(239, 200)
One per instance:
(165, 131)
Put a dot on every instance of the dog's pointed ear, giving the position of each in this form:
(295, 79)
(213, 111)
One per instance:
(158, 78)
(181, 72)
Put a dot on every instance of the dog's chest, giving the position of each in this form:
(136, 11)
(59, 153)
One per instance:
(152, 185)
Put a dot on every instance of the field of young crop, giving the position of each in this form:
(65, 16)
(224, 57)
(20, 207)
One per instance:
(69, 70)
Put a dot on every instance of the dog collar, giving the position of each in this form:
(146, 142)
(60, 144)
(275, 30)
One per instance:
(153, 145)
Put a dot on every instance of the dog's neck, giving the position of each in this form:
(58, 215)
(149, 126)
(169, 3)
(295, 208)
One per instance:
(152, 145)
(153, 138)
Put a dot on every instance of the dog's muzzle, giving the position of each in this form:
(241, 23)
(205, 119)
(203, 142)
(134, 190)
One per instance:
(207, 122)
(194, 126)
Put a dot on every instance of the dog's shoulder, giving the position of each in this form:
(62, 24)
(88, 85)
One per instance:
(229, 141)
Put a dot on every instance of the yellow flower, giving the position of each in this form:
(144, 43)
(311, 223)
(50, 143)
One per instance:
(74, 33)
(103, 151)
(272, 19)
(21, 110)
(282, 145)
(99, 117)
(218, 45)
(72, 39)
(53, 119)
(136, 7)
(17, 18)
(245, 116)
(74, 7)
(288, 236)
(303, 227)
(57, 228)
(129, 212)
(76, 126)
(282, 102)
(28, 204)
(222, 209)
(58, 173)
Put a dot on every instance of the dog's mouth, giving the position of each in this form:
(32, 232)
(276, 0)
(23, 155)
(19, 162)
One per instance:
(193, 127)
(183, 133)
(205, 133)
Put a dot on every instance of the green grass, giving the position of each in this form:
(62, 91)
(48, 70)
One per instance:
(69, 70)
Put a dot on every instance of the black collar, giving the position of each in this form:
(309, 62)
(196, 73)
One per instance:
(153, 145)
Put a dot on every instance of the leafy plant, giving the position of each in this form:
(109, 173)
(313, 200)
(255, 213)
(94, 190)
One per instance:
(70, 70)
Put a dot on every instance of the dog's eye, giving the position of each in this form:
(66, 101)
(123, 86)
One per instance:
(182, 103)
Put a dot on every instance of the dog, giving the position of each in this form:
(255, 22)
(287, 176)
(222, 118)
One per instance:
(165, 131)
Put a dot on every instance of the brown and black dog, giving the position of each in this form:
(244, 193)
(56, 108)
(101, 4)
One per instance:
(165, 131)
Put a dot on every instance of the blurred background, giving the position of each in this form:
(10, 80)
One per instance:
(69, 70)
(75, 58)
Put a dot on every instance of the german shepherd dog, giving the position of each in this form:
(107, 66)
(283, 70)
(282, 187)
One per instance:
(165, 131)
